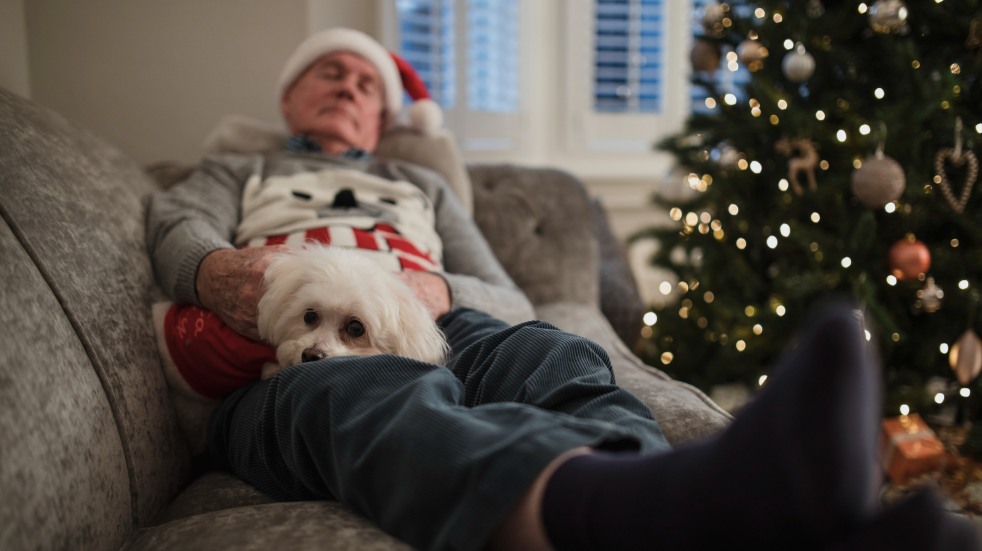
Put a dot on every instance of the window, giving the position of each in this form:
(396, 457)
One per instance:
(426, 41)
(628, 50)
(467, 50)
(731, 77)
(627, 81)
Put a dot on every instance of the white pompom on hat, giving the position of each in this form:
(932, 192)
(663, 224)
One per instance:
(424, 115)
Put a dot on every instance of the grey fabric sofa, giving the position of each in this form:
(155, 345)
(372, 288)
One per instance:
(91, 454)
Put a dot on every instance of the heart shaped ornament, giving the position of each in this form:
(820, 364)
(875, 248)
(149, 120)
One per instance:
(958, 160)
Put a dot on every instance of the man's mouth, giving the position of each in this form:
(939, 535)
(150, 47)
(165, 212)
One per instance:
(344, 110)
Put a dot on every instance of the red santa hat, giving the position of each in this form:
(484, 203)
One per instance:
(396, 73)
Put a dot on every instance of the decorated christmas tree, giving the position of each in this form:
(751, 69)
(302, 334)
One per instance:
(842, 163)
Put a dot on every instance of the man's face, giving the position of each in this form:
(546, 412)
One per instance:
(338, 101)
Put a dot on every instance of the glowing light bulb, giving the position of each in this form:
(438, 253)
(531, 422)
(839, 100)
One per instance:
(762, 380)
(846, 262)
(756, 167)
(665, 288)
(963, 284)
(741, 243)
(785, 230)
(780, 310)
(783, 185)
(733, 209)
(904, 409)
(816, 217)
(841, 135)
(650, 319)
(730, 99)
(939, 398)
(879, 93)
(965, 392)
(891, 280)
(820, 115)
(865, 130)
(788, 44)
(772, 242)
(890, 207)
(943, 348)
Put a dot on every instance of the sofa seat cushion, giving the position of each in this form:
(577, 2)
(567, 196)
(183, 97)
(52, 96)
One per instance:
(293, 525)
(219, 511)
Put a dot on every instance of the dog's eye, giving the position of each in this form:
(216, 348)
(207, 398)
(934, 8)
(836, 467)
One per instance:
(310, 317)
(355, 328)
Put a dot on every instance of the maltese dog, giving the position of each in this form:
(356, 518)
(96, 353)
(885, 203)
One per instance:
(322, 301)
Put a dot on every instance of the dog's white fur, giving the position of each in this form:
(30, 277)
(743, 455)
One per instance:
(335, 287)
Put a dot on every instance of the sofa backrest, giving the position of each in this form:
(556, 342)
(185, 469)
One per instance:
(540, 224)
(89, 444)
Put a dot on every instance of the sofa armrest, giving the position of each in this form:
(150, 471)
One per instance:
(683, 412)
(539, 223)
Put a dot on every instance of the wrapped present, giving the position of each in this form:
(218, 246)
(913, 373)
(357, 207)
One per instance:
(909, 448)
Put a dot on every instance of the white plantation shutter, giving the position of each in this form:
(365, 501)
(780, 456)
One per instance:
(626, 84)
(628, 52)
(492, 55)
(467, 49)
(426, 41)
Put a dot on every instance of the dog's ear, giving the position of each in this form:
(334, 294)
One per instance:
(418, 337)
(280, 282)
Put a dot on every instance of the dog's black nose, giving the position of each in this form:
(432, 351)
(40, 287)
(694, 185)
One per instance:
(311, 355)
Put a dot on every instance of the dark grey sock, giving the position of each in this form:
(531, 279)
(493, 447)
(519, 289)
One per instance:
(796, 469)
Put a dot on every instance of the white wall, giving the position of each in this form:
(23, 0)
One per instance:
(153, 77)
(14, 72)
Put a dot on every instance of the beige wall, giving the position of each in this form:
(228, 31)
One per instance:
(14, 73)
(155, 77)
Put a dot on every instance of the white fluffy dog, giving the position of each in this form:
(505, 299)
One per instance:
(321, 302)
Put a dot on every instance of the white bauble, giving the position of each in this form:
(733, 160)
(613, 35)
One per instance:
(798, 65)
(888, 16)
(880, 180)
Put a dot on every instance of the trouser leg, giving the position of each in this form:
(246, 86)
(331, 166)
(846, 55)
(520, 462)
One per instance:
(433, 460)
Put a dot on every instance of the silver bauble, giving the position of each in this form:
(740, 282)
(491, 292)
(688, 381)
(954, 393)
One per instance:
(888, 16)
(879, 181)
(798, 65)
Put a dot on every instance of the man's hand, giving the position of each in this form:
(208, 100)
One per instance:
(230, 284)
(431, 289)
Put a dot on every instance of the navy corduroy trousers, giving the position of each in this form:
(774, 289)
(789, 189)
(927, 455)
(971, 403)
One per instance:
(434, 455)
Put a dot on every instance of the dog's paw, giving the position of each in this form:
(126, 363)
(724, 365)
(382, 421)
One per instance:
(269, 370)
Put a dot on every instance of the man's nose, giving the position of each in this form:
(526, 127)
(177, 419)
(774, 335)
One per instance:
(346, 87)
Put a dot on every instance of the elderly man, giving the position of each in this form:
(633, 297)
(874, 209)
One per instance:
(523, 441)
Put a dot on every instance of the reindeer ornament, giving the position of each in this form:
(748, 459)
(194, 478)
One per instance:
(805, 161)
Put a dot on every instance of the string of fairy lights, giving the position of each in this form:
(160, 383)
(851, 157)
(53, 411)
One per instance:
(886, 16)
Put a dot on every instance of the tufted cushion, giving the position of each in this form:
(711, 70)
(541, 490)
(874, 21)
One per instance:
(539, 223)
